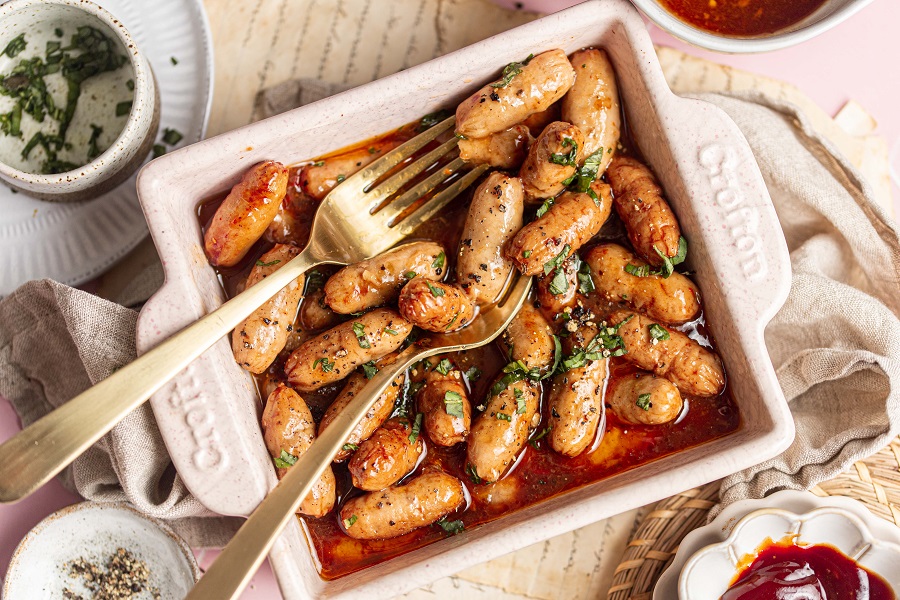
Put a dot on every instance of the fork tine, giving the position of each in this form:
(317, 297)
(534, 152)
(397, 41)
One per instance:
(437, 202)
(376, 195)
(398, 205)
(368, 175)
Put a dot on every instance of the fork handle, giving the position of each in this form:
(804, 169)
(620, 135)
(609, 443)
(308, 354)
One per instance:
(34, 455)
(240, 559)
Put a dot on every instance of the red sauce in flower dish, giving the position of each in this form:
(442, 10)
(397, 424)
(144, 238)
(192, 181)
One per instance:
(785, 571)
(741, 18)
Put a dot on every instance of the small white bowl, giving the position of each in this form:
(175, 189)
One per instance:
(133, 143)
(709, 572)
(830, 14)
(94, 531)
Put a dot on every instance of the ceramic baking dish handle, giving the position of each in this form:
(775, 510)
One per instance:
(731, 212)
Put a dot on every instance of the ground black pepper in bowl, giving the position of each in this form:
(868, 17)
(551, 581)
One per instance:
(122, 577)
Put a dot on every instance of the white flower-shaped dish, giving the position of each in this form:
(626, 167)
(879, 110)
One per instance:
(838, 522)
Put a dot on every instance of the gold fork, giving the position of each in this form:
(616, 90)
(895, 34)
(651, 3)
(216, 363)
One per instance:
(240, 559)
(342, 233)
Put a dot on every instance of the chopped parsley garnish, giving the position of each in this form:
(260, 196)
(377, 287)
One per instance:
(327, 365)
(58, 32)
(510, 71)
(526, 253)
(369, 369)
(315, 280)
(340, 178)
(416, 427)
(668, 266)
(520, 401)
(658, 333)
(158, 150)
(173, 60)
(453, 404)
(637, 271)
(360, 331)
(348, 523)
(16, 46)
(554, 262)
(410, 274)
(533, 441)
(123, 108)
(435, 291)
(350, 447)
(453, 527)
(319, 163)
(585, 280)
(606, 343)
(643, 402)
(560, 283)
(260, 263)
(473, 374)
(93, 148)
(472, 472)
(432, 119)
(444, 367)
(542, 210)
(504, 416)
(285, 460)
(172, 136)
(582, 179)
(438, 263)
(130, 84)
(391, 331)
(570, 158)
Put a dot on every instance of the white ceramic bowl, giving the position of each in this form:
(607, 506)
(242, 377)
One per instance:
(118, 162)
(830, 14)
(710, 571)
(94, 531)
(209, 415)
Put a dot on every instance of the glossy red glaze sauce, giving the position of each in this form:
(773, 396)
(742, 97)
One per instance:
(791, 572)
(539, 473)
(742, 18)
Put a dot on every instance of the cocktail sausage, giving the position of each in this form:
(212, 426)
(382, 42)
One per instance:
(389, 454)
(592, 104)
(552, 160)
(644, 399)
(434, 306)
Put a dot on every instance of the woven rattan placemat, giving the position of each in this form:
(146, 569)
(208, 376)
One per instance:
(875, 482)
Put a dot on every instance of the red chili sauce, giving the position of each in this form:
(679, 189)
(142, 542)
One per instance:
(539, 473)
(790, 572)
(741, 18)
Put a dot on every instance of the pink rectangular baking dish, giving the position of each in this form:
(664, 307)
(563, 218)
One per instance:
(209, 415)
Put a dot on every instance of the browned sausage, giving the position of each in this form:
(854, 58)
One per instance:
(537, 122)
(643, 209)
(332, 355)
(288, 428)
(377, 281)
(644, 399)
(318, 178)
(315, 315)
(695, 370)
(436, 306)
(501, 431)
(558, 290)
(445, 404)
(246, 212)
(592, 104)
(552, 159)
(387, 456)
(495, 107)
(400, 509)
(375, 416)
(257, 341)
(504, 150)
(529, 339)
(495, 215)
(672, 300)
(574, 218)
(576, 407)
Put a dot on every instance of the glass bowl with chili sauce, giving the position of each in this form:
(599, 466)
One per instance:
(825, 554)
(742, 26)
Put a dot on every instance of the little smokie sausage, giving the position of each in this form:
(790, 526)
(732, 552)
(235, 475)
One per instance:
(495, 215)
(501, 431)
(377, 281)
(332, 355)
(403, 508)
(389, 454)
(315, 315)
(546, 242)
(445, 404)
(592, 104)
(576, 404)
(374, 417)
(288, 428)
(436, 306)
(257, 341)
(504, 150)
(552, 159)
(645, 399)
(558, 290)
(317, 179)
(651, 224)
(529, 338)
(672, 300)
(695, 370)
(246, 212)
(530, 88)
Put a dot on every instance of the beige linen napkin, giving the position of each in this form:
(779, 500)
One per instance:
(835, 344)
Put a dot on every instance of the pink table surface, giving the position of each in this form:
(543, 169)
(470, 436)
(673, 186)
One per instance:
(856, 61)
